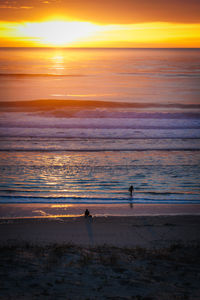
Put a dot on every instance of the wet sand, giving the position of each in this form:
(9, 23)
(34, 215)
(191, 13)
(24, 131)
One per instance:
(55, 210)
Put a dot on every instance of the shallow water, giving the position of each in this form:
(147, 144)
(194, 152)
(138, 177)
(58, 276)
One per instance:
(100, 177)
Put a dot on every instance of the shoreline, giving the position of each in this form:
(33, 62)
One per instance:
(37, 210)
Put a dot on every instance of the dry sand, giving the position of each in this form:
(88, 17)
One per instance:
(138, 257)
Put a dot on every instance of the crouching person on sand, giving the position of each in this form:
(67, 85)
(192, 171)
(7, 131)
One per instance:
(87, 214)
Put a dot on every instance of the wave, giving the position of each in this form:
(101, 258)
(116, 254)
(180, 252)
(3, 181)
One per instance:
(98, 150)
(83, 200)
(53, 105)
(95, 125)
(174, 74)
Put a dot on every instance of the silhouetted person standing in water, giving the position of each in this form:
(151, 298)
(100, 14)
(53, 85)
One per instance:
(131, 189)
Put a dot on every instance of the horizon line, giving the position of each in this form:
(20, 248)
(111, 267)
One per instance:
(57, 48)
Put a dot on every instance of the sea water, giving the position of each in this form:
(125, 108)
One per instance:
(82, 125)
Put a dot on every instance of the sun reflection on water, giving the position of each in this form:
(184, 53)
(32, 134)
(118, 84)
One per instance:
(57, 63)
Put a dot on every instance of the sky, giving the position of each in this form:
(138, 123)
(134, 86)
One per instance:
(102, 23)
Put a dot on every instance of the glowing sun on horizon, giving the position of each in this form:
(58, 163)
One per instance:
(57, 33)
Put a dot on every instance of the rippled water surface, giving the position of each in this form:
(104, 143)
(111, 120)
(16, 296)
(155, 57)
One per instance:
(81, 126)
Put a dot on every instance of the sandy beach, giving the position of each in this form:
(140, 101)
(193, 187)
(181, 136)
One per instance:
(116, 225)
(110, 257)
(115, 231)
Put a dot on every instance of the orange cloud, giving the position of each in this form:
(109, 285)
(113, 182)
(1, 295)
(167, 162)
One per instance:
(104, 11)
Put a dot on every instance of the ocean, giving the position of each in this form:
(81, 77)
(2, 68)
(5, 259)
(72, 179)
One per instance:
(82, 125)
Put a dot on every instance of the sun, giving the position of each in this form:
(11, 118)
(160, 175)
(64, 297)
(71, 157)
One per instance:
(57, 33)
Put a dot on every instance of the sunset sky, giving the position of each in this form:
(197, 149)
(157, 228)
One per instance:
(105, 23)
